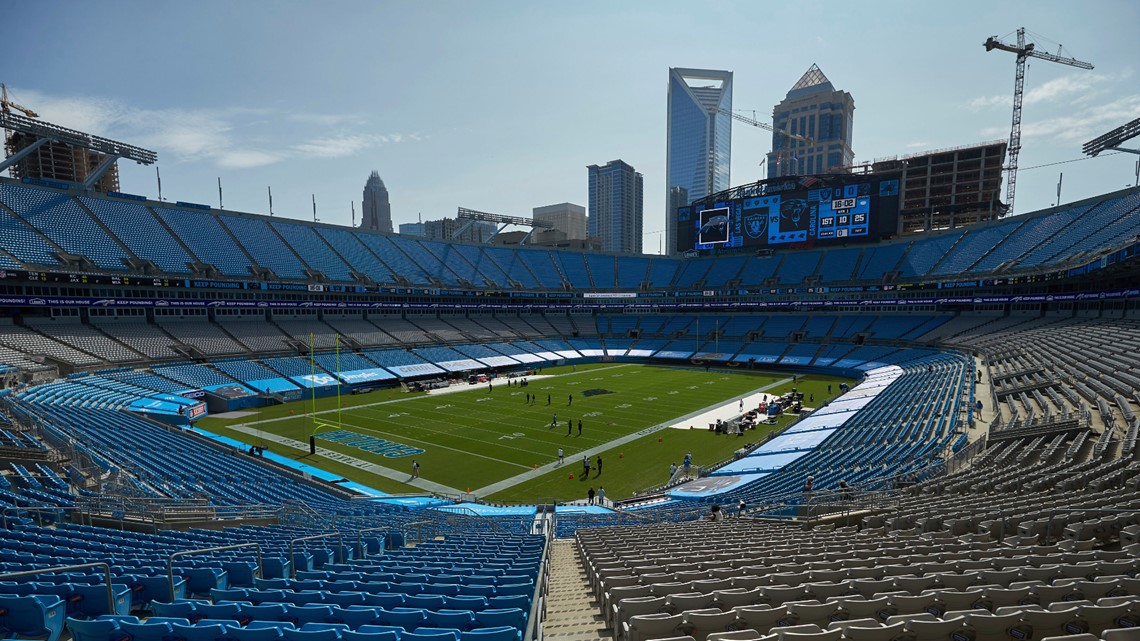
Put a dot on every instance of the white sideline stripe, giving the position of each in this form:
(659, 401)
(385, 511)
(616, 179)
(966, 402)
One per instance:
(292, 417)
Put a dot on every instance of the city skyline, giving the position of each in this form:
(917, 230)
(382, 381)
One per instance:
(224, 99)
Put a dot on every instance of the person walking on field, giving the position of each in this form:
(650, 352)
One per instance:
(579, 427)
(601, 496)
(570, 400)
(585, 466)
(415, 469)
(590, 496)
(561, 458)
(599, 464)
(569, 427)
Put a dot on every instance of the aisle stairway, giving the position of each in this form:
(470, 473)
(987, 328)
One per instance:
(571, 612)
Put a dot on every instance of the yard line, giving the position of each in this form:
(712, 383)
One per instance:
(543, 469)
(434, 444)
(411, 398)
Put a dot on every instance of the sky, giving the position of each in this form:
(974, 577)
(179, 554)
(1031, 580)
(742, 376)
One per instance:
(500, 105)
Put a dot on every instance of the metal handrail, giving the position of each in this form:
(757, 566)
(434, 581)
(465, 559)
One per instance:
(5, 511)
(538, 599)
(340, 547)
(360, 537)
(68, 568)
(170, 561)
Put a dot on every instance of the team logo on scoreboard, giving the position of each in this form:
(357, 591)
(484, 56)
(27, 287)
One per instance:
(754, 225)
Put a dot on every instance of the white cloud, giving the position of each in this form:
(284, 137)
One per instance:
(1079, 126)
(221, 135)
(985, 102)
(341, 145)
(1057, 88)
(247, 158)
(1087, 123)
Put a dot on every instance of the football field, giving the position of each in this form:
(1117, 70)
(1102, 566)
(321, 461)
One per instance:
(489, 440)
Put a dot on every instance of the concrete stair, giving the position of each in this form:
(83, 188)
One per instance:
(571, 609)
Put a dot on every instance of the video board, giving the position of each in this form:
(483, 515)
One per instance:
(777, 213)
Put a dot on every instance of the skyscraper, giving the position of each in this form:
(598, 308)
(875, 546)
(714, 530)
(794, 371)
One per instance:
(813, 108)
(377, 214)
(566, 217)
(616, 207)
(698, 150)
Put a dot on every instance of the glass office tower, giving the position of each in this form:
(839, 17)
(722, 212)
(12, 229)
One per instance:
(698, 152)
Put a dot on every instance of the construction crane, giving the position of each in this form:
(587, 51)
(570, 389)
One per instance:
(7, 105)
(1023, 50)
(766, 126)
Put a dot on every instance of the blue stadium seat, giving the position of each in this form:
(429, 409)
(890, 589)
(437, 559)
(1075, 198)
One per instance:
(33, 615)
(514, 617)
(500, 633)
(357, 635)
(94, 630)
(431, 634)
(253, 634)
(206, 632)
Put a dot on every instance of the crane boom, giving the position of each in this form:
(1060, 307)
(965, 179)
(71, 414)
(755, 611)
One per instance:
(766, 126)
(7, 105)
(1023, 50)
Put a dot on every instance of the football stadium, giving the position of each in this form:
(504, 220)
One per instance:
(826, 413)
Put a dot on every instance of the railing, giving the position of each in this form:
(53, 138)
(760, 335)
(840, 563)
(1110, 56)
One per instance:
(538, 599)
(68, 568)
(339, 547)
(170, 561)
(37, 510)
(160, 511)
(419, 525)
(360, 538)
(455, 510)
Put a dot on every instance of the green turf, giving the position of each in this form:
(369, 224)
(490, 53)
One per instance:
(475, 437)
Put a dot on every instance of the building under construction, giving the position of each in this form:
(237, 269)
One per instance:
(948, 187)
(58, 161)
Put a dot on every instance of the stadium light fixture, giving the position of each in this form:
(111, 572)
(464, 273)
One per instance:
(41, 129)
(1112, 140)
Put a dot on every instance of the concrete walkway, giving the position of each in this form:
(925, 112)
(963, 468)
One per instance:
(732, 403)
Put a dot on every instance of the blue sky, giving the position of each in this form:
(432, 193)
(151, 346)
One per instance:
(500, 106)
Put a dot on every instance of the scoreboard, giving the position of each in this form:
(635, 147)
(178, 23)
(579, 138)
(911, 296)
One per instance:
(835, 209)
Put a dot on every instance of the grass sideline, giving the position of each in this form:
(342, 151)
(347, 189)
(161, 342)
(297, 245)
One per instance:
(477, 437)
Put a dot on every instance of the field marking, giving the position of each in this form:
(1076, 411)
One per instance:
(352, 461)
(499, 486)
(433, 444)
(407, 399)
(537, 431)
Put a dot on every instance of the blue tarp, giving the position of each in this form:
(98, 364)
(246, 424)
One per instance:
(365, 376)
(273, 385)
(461, 365)
(582, 509)
(417, 369)
(713, 485)
(751, 464)
(499, 510)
